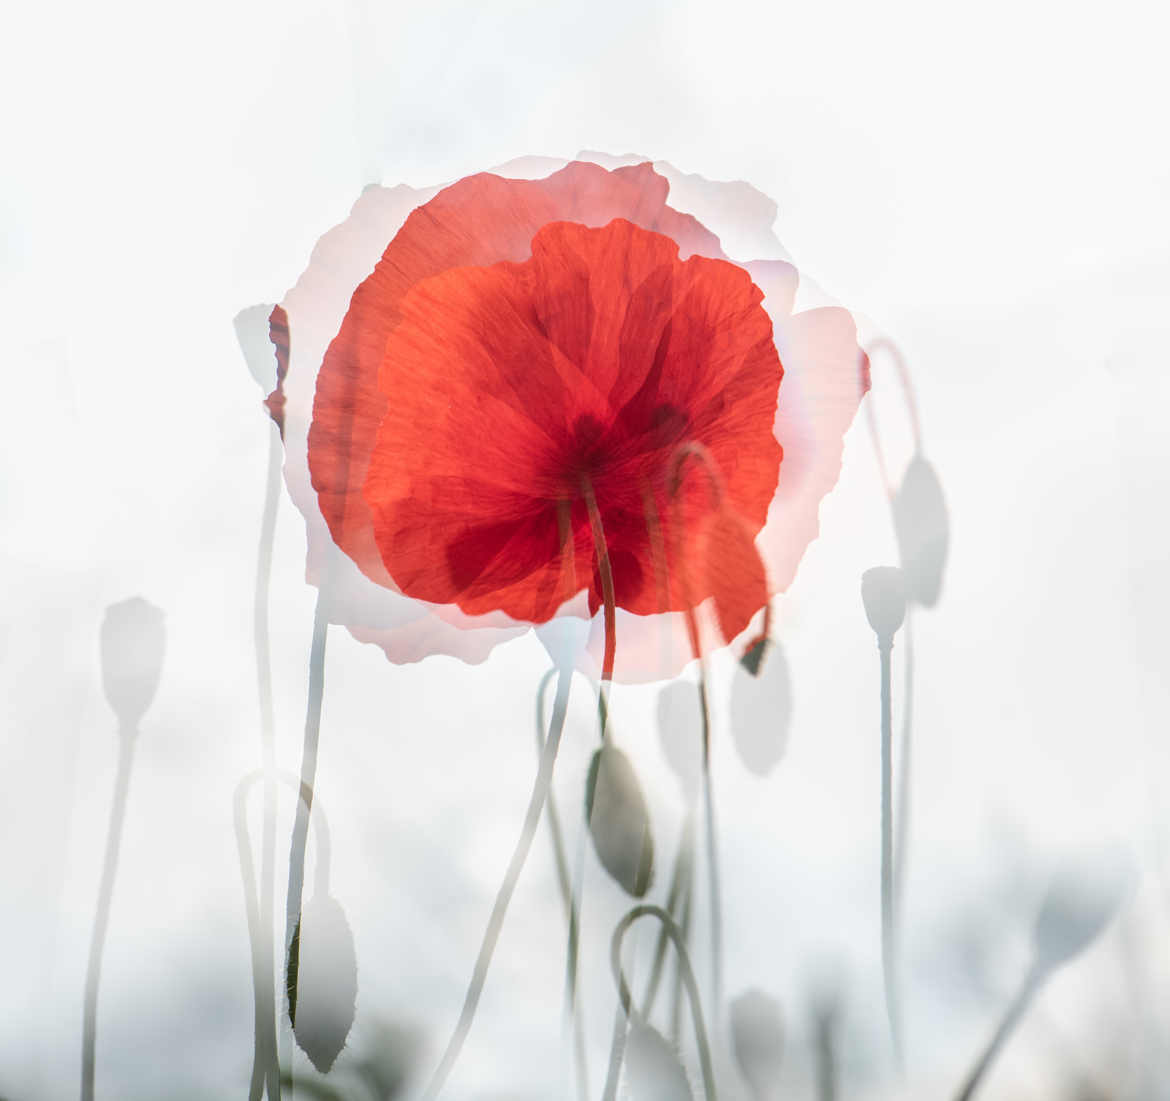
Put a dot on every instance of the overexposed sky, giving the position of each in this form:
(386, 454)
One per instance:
(989, 186)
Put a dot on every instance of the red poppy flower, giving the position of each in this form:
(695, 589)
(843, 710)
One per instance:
(523, 347)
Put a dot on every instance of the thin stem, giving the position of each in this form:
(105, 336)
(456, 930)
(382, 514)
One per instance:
(697, 452)
(1032, 983)
(712, 850)
(570, 902)
(601, 550)
(679, 880)
(709, 815)
(688, 905)
(540, 791)
(902, 816)
(826, 1055)
(252, 907)
(126, 743)
(889, 944)
(688, 976)
(266, 1059)
(296, 861)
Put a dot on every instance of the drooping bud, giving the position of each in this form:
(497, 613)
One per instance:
(322, 1004)
(654, 1071)
(680, 733)
(884, 595)
(619, 822)
(923, 531)
(1078, 905)
(133, 640)
(757, 1036)
(761, 711)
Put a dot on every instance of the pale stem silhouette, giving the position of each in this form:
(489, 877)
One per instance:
(127, 738)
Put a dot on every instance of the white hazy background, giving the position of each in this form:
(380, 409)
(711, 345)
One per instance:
(990, 185)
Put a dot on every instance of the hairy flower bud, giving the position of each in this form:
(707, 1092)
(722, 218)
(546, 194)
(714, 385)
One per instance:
(322, 1005)
(618, 819)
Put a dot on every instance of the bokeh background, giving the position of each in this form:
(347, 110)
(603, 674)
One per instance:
(986, 185)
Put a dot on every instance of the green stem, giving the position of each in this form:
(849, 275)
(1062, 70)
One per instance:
(296, 862)
(126, 743)
(569, 901)
(601, 549)
(491, 935)
(688, 905)
(679, 881)
(252, 907)
(266, 1061)
(889, 942)
(624, 997)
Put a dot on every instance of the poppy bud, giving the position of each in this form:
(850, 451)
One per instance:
(654, 1071)
(1077, 907)
(680, 732)
(322, 1004)
(618, 820)
(761, 712)
(133, 638)
(757, 1036)
(884, 595)
(923, 531)
(251, 326)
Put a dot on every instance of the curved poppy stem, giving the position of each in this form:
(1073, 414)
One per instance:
(93, 972)
(266, 1061)
(262, 965)
(567, 897)
(601, 549)
(296, 861)
(624, 997)
(884, 344)
(540, 790)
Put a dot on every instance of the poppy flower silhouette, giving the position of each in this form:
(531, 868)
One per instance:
(501, 373)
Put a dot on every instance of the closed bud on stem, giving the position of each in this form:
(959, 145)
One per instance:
(883, 593)
(133, 639)
(619, 822)
(322, 1004)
